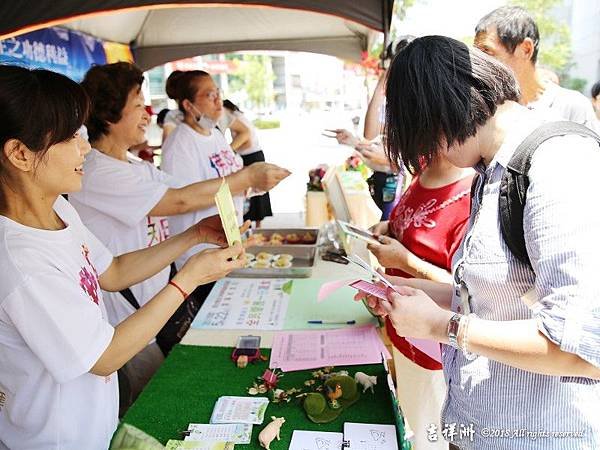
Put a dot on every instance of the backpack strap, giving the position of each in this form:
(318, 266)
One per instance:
(515, 181)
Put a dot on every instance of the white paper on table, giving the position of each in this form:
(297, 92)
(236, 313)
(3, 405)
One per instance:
(316, 440)
(300, 350)
(239, 410)
(237, 304)
(370, 436)
(238, 433)
(173, 444)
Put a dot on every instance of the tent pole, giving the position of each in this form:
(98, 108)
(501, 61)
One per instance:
(387, 6)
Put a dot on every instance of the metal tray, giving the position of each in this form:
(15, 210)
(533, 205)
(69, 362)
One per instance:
(305, 258)
(268, 232)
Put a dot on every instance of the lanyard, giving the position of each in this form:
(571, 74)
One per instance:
(463, 290)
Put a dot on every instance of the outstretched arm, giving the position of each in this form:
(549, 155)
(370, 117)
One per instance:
(133, 267)
(200, 195)
(134, 333)
(372, 118)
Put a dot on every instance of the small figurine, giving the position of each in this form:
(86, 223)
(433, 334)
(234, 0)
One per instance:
(248, 350)
(270, 377)
(270, 432)
(278, 396)
(242, 361)
(333, 394)
(366, 381)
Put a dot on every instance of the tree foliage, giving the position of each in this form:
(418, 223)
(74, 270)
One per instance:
(399, 11)
(400, 8)
(255, 77)
(555, 35)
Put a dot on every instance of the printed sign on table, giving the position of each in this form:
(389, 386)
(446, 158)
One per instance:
(237, 304)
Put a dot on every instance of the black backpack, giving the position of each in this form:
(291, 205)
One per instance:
(515, 181)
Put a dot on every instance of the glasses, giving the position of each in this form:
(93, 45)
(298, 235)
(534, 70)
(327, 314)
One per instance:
(211, 96)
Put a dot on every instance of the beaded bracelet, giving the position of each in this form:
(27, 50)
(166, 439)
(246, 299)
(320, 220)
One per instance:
(185, 294)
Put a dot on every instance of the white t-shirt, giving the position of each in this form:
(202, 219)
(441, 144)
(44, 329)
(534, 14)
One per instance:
(191, 157)
(228, 118)
(566, 104)
(174, 117)
(53, 329)
(114, 204)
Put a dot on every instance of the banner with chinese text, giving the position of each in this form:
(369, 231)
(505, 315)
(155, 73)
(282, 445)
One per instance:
(61, 50)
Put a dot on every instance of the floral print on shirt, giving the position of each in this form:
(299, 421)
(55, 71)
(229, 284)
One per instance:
(88, 277)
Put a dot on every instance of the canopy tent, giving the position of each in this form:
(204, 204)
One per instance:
(160, 31)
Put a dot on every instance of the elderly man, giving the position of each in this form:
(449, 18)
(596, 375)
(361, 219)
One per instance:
(510, 34)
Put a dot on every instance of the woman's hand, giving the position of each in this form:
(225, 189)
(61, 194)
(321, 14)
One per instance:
(390, 253)
(371, 302)
(381, 228)
(432, 288)
(345, 137)
(211, 265)
(210, 231)
(264, 176)
(373, 154)
(414, 314)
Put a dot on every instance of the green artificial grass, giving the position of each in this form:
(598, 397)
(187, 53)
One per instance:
(192, 378)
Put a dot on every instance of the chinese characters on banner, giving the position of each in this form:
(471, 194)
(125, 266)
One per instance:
(61, 50)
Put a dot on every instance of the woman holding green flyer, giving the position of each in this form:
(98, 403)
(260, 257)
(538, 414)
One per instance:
(58, 350)
(124, 202)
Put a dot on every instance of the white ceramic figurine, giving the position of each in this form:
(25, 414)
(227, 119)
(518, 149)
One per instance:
(366, 381)
(270, 432)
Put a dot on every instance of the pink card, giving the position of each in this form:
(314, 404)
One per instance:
(430, 348)
(370, 288)
(328, 288)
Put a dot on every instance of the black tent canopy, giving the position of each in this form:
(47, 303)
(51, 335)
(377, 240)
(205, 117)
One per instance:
(160, 31)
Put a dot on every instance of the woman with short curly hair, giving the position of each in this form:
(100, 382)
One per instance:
(125, 201)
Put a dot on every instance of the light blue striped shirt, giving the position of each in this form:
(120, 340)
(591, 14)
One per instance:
(510, 408)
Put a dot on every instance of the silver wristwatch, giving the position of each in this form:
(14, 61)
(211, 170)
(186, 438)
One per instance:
(452, 330)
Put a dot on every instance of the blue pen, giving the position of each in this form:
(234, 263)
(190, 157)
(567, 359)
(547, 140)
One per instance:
(332, 322)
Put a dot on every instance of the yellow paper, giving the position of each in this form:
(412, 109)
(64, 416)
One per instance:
(228, 214)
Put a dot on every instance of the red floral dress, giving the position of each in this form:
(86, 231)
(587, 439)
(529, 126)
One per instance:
(430, 223)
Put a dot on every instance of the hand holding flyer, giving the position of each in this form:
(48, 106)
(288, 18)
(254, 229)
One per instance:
(358, 232)
(226, 208)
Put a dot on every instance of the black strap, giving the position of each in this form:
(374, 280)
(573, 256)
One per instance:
(515, 181)
(131, 298)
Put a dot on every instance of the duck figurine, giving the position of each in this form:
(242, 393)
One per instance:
(333, 393)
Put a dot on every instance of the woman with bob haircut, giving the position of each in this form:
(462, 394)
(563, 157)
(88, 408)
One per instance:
(59, 354)
(522, 371)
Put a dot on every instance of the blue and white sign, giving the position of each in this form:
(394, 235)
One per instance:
(58, 49)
